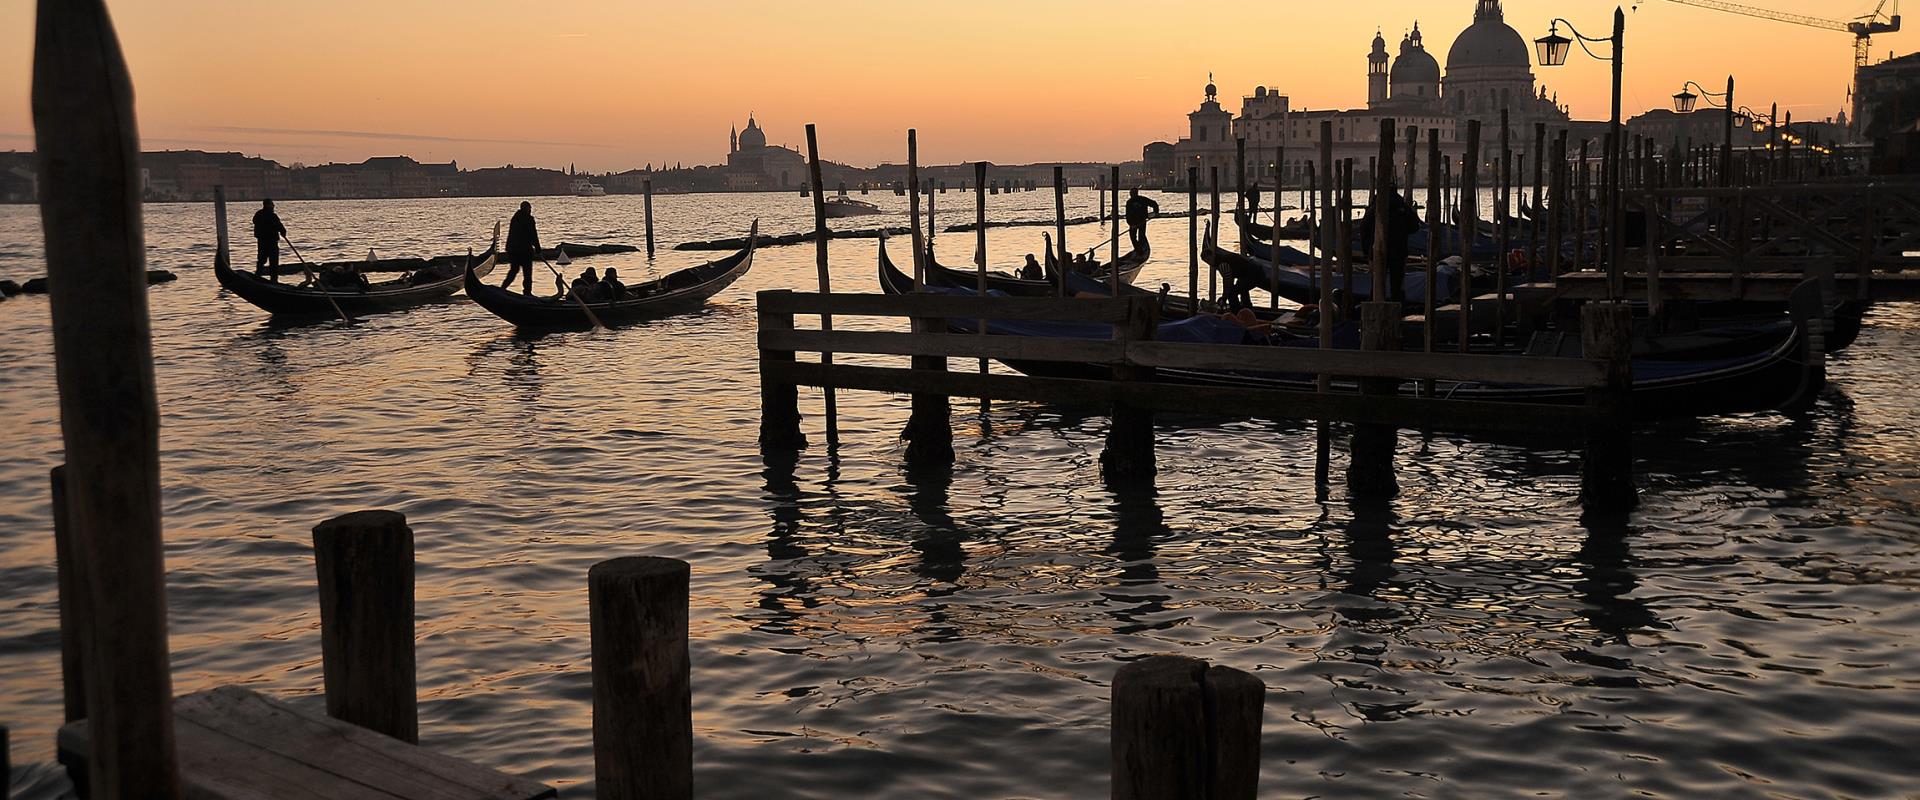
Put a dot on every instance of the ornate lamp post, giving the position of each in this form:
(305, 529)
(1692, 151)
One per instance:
(1553, 49)
(1685, 102)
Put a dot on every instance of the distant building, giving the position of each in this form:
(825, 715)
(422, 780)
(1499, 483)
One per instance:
(1887, 96)
(1157, 163)
(752, 165)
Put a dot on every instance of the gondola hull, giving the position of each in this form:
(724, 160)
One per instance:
(292, 300)
(685, 290)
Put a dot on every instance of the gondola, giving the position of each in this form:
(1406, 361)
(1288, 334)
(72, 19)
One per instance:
(680, 291)
(1130, 263)
(1779, 373)
(297, 300)
(1297, 283)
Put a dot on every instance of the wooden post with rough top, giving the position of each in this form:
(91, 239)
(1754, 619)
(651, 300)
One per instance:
(1185, 729)
(821, 236)
(1606, 473)
(1378, 199)
(89, 166)
(1193, 235)
(1468, 224)
(1370, 477)
(1064, 260)
(929, 430)
(642, 696)
(364, 561)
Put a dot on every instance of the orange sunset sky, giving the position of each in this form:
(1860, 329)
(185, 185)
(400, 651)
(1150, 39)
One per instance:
(614, 84)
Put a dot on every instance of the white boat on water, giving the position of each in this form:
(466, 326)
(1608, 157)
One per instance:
(586, 188)
(844, 206)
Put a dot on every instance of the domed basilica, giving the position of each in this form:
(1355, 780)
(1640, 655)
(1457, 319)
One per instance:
(1489, 68)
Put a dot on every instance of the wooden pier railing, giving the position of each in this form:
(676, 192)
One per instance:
(1131, 360)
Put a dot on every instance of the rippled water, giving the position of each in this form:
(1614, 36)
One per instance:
(856, 634)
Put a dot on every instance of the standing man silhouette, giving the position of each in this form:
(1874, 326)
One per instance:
(267, 230)
(1137, 211)
(522, 240)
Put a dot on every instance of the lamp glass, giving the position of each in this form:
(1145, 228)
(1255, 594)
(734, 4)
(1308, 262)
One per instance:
(1685, 101)
(1552, 49)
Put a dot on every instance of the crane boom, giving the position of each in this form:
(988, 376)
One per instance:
(1882, 20)
(1766, 13)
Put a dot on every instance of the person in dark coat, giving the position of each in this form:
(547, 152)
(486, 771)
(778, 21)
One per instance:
(1138, 208)
(610, 286)
(267, 230)
(523, 239)
(1402, 222)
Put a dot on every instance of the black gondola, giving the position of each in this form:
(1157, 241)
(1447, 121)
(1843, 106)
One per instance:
(1129, 264)
(685, 290)
(1785, 372)
(307, 300)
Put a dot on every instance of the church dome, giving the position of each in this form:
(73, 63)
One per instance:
(1489, 42)
(1415, 66)
(752, 137)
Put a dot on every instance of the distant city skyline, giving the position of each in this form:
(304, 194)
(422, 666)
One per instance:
(610, 86)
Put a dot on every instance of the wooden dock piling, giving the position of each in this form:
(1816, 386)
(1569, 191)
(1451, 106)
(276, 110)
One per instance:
(929, 430)
(642, 696)
(1370, 475)
(1468, 224)
(1606, 473)
(646, 189)
(1213, 227)
(1113, 220)
(1128, 457)
(1193, 234)
(73, 603)
(90, 210)
(1184, 729)
(364, 563)
(1329, 235)
(821, 236)
(1378, 199)
(1060, 231)
(980, 251)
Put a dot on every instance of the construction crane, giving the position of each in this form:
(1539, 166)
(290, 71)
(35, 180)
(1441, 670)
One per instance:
(1882, 20)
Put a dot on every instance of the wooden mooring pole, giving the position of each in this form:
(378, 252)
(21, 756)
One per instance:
(89, 166)
(1606, 474)
(73, 595)
(1329, 235)
(1468, 223)
(1213, 227)
(980, 251)
(1378, 200)
(1370, 476)
(821, 236)
(364, 561)
(929, 431)
(1193, 235)
(642, 694)
(1064, 260)
(1185, 729)
(646, 189)
(1113, 223)
(1128, 457)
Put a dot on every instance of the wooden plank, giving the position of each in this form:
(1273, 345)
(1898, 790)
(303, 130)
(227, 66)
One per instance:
(1404, 411)
(1028, 348)
(1382, 364)
(1108, 310)
(235, 743)
(1770, 287)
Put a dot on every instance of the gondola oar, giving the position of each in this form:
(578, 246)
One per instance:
(591, 317)
(317, 285)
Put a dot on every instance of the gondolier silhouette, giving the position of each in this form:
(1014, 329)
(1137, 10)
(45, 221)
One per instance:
(1137, 211)
(267, 230)
(523, 240)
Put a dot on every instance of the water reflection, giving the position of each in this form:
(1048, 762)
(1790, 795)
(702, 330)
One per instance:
(1370, 561)
(1608, 580)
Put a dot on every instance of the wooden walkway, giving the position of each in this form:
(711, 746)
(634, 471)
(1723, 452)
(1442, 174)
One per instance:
(235, 743)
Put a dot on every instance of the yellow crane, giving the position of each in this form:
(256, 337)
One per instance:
(1884, 19)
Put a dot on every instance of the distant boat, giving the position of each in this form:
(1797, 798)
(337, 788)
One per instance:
(839, 207)
(586, 188)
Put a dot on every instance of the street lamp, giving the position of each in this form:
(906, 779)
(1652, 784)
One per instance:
(1685, 102)
(1553, 49)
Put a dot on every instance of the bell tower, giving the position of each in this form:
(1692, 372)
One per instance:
(1377, 71)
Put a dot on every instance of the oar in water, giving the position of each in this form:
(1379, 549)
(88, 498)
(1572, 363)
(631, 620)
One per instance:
(591, 317)
(317, 285)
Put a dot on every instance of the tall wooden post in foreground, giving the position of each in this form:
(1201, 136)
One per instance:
(1606, 473)
(820, 238)
(365, 566)
(1182, 728)
(929, 431)
(89, 160)
(1370, 477)
(642, 698)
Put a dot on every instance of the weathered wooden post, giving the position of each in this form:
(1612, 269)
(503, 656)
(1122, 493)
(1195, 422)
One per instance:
(89, 168)
(1370, 477)
(72, 595)
(1539, 200)
(929, 431)
(779, 400)
(980, 251)
(1193, 235)
(1113, 221)
(1435, 219)
(1503, 227)
(1279, 202)
(1469, 226)
(646, 189)
(642, 698)
(364, 561)
(1382, 189)
(1329, 234)
(1557, 214)
(1344, 224)
(820, 238)
(1184, 729)
(1583, 186)
(1606, 473)
(1128, 457)
(1064, 259)
(1213, 227)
